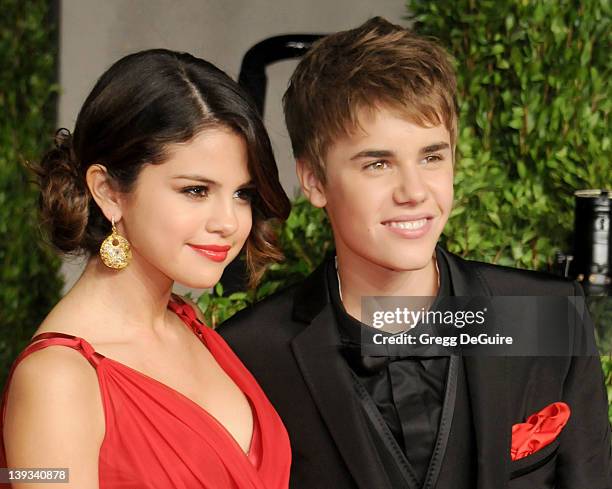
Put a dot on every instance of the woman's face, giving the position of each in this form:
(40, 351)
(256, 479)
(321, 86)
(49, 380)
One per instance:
(190, 216)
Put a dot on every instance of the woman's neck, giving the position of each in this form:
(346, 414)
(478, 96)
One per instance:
(131, 301)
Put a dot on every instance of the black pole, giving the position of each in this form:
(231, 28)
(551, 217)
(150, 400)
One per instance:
(278, 48)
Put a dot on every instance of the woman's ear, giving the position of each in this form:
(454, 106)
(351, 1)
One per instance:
(312, 187)
(103, 191)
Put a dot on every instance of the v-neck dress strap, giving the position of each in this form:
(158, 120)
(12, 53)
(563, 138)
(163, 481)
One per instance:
(43, 340)
(157, 438)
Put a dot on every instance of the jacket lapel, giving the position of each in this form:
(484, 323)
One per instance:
(331, 386)
(487, 381)
(330, 383)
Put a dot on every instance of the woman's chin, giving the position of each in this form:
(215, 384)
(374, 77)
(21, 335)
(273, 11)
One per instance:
(192, 282)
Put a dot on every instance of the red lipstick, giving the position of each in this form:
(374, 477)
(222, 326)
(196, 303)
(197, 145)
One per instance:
(216, 253)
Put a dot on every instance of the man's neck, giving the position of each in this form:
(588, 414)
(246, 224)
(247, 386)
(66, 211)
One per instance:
(369, 279)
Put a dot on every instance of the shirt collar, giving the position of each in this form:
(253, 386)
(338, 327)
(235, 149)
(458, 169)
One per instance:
(352, 331)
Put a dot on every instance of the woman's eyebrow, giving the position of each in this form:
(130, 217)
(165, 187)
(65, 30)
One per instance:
(203, 179)
(198, 178)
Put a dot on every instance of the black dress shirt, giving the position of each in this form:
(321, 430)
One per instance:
(408, 391)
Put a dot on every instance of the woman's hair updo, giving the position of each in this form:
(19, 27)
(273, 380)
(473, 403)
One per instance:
(143, 103)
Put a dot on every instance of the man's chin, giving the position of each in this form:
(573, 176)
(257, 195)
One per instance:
(407, 267)
(406, 264)
(413, 256)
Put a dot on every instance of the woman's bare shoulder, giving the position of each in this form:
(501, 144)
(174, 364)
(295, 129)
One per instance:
(54, 374)
(57, 381)
(54, 414)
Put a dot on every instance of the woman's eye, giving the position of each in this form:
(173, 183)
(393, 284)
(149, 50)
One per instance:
(378, 165)
(246, 194)
(196, 192)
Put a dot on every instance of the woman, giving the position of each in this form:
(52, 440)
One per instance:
(169, 174)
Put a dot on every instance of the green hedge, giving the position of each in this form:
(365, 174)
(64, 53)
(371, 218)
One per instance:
(534, 121)
(29, 282)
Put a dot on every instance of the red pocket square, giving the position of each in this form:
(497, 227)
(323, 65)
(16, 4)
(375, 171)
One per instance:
(539, 430)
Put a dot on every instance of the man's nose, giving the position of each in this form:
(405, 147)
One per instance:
(410, 186)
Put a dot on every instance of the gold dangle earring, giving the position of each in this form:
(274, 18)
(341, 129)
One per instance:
(115, 250)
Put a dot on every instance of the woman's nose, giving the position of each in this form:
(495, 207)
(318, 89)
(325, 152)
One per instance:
(222, 218)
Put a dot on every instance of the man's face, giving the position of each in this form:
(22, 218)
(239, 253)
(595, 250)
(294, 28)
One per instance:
(389, 191)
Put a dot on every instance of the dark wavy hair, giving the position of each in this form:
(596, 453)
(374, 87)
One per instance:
(141, 105)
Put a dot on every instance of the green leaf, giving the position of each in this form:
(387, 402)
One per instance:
(503, 64)
(495, 218)
(219, 289)
(238, 296)
(521, 168)
(497, 49)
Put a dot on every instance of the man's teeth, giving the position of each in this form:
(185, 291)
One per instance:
(407, 224)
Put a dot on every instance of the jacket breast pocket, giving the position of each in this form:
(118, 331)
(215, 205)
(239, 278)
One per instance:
(535, 470)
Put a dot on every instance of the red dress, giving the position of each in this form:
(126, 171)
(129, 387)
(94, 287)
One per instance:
(157, 438)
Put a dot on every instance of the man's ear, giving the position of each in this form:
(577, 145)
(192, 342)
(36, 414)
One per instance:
(312, 187)
(103, 191)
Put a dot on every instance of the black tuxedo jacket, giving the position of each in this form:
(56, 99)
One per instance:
(289, 342)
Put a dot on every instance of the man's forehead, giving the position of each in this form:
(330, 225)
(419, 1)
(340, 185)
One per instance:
(386, 125)
(355, 126)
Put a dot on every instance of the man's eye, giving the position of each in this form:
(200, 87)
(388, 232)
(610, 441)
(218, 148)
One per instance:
(196, 192)
(246, 194)
(377, 165)
(432, 159)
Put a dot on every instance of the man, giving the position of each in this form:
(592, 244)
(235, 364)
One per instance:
(372, 117)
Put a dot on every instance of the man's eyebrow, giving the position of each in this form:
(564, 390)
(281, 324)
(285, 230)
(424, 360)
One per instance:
(434, 147)
(373, 153)
(384, 153)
